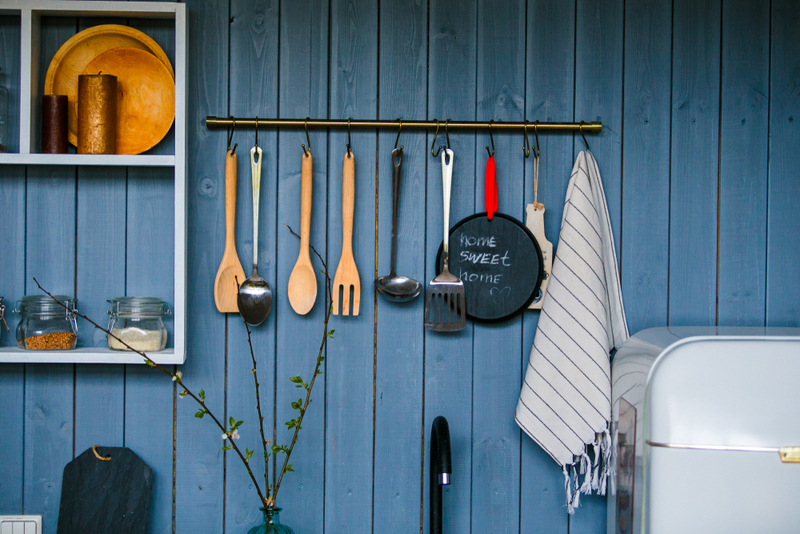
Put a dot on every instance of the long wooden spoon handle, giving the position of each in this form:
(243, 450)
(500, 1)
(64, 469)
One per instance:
(306, 188)
(348, 201)
(230, 197)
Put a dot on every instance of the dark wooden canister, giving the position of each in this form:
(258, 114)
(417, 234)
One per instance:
(54, 124)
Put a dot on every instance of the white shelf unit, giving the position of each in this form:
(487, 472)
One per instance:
(30, 13)
(101, 160)
(86, 355)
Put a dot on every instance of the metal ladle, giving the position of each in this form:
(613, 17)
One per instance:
(255, 296)
(393, 287)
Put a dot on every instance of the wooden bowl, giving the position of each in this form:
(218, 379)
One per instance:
(75, 55)
(146, 105)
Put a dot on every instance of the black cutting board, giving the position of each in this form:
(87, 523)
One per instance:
(105, 497)
(499, 262)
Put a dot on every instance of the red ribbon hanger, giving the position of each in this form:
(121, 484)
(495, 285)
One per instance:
(490, 189)
(490, 182)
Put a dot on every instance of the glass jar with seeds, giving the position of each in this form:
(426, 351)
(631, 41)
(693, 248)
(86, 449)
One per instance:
(137, 323)
(47, 324)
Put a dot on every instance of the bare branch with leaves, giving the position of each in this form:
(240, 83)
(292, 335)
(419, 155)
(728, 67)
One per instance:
(230, 432)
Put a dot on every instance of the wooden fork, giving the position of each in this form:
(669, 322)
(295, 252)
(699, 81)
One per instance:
(347, 272)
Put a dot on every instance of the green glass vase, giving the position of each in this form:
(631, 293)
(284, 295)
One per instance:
(272, 523)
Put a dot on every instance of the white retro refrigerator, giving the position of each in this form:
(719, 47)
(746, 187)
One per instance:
(707, 430)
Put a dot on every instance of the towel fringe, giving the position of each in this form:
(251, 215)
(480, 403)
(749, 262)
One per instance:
(597, 472)
(568, 488)
(596, 468)
(586, 470)
(576, 495)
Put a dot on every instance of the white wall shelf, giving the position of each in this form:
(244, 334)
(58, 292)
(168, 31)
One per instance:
(86, 355)
(30, 13)
(101, 160)
(161, 10)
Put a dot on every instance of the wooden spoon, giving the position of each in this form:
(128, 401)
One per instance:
(303, 281)
(226, 289)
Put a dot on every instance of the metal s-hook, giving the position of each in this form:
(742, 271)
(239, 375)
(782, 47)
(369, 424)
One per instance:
(447, 133)
(256, 131)
(526, 148)
(436, 155)
(536, 135)
(491, 138)
(399, 128)
(230, 135)
(348, 137)
(580, 128)
(308, 140)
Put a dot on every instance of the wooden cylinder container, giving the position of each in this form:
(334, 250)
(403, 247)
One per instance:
(97, 114)
(54, 124)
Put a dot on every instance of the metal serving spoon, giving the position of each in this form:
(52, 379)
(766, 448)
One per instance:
(255, 296)
(393, 287)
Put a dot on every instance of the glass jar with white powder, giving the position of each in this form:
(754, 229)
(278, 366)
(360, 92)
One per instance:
(137, 322)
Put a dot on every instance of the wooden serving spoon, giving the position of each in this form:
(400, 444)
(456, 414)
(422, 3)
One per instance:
(303, 281)
(226, 289)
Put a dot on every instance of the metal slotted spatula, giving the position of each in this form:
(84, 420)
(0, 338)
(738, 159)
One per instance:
(445, 300)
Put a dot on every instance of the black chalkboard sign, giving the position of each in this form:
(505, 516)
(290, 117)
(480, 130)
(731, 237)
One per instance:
(499, 262)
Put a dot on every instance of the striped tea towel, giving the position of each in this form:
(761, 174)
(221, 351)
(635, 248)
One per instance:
(565, 401)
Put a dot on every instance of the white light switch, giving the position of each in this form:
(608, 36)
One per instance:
(20, 524)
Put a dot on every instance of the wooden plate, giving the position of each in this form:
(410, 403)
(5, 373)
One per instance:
(74, 56)
(146, 105)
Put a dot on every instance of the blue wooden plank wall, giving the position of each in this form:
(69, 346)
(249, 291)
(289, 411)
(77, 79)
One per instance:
(698, 102)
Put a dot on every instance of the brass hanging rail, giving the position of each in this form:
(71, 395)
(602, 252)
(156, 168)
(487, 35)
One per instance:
(219, 122)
